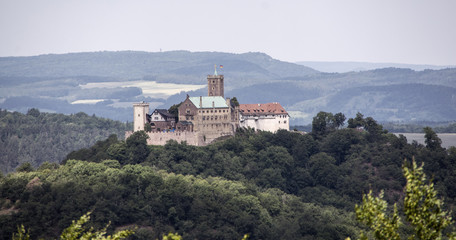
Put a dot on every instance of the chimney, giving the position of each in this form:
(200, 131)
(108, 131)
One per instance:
(201, 102)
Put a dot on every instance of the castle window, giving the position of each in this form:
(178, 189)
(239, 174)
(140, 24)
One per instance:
(285, 121)
(139, 115)
(192, 118)
(188, 111)
(204, 118)
(215, 117)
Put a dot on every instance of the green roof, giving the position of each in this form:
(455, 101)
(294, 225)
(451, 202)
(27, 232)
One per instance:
(209, 102)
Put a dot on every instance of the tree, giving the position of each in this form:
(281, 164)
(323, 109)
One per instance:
(325, 122)
(358, 121)
(433, 142)
(147, 127)
(422, 209)
(21, 234)
(137, 149)
(234, 102)
(339, 120)
(25, 167)
(77, 231)
(33, 112)
(321, 123)
(174, 109)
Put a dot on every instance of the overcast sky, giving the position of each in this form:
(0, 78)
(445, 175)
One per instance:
(394, 31)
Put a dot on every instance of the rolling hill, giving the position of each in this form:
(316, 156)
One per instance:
(59, 83)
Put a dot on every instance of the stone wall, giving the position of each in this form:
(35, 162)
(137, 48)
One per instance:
(160, 138)
(271, 124)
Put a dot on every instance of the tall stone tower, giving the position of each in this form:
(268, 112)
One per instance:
(140, 111)
(215, 85)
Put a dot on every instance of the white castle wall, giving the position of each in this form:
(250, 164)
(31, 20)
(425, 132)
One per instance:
(271, 124)
(160, 138)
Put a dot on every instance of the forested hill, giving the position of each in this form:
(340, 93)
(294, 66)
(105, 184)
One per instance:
(174, 66)
(272, 186)
(38, 137)
(107, 83)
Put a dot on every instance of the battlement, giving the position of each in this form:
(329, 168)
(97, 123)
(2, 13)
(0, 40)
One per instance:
(143, 104)
(160, 138)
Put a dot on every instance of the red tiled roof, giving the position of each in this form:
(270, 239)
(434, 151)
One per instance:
(262, 109)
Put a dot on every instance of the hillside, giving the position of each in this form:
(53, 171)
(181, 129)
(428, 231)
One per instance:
(342, 67)
(38, 137)
(107, 83)
(271, 186)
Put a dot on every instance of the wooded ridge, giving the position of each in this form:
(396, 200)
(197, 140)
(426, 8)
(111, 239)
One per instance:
(272, 186)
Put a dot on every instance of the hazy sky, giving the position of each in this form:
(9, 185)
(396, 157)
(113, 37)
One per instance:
(399, 31)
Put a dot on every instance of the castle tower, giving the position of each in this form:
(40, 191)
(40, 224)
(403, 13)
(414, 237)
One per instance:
(140, 111)
(215, 85)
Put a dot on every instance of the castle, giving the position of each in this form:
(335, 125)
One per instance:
(203, 119)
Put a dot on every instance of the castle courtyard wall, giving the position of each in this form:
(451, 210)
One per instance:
(160, 138)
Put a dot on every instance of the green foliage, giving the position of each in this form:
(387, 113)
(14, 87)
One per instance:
(324, 123)
(431, 139)
(369, 124)
(172, 236)
(25, 167)
(422, 209)
(372, 212)
(21, 234)
(37, 137)
(421, 205)
(174, 109)
(234, 102)
(207, 208)
(271, 186)
(136, 147)
(147, 127)
(77, 231)
(33, 112)
(356, 122)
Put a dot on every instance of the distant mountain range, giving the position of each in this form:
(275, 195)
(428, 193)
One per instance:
(53, 82)
(343, 67)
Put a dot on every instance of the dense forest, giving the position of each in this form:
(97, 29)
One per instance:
(286, 185)
(37, 137)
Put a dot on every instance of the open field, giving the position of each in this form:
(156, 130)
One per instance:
(149, 88)
(448, 139)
